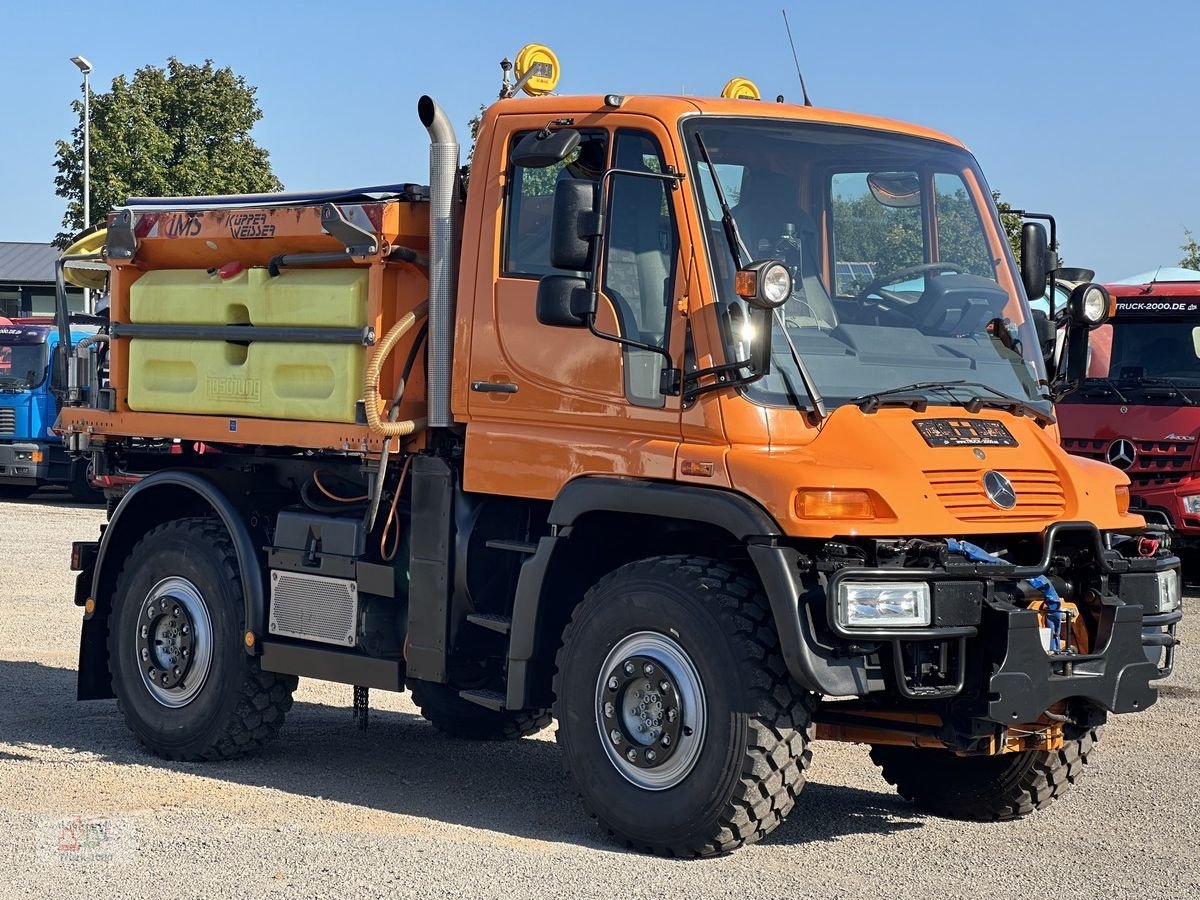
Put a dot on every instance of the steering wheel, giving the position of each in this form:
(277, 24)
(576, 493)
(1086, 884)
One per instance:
(896, 303)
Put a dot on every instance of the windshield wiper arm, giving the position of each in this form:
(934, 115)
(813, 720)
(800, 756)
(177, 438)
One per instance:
(732, 237)
(1166, 382)
(1111, 385)
(869, 403)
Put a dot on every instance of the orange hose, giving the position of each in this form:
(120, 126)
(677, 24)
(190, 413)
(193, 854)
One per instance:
(391, 517)
(332, 496)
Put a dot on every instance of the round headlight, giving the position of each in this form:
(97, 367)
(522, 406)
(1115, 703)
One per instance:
(1095, 305)
(776, 284)
(1090, 305)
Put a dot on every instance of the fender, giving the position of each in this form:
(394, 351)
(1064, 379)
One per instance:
(139, 507)
(741, 517)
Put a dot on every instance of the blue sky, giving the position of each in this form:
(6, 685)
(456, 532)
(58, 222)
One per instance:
(1083, 109)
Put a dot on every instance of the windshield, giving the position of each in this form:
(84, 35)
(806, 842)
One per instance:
(896, 278)
(22, 366)
(1150, 343)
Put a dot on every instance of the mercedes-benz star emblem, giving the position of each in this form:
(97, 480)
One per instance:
(1121, 453)
(999, 490)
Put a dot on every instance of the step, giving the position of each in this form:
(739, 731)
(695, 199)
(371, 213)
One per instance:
(498, 624)
(513, 546)
(491, 699)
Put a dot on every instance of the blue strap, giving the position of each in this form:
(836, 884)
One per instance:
(1054, 613)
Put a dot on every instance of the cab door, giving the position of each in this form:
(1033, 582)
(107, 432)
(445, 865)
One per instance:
(547, 404)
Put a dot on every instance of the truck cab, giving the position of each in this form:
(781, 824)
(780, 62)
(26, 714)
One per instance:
(1139, 408)
(704, 426)
(31, 454)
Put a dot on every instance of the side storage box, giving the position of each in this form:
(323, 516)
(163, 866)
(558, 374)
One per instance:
(273, 380)
(330, 298)
(306, 382)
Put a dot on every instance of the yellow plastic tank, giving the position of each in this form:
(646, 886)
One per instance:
(332, 298)
(274, 380)
(304, 382)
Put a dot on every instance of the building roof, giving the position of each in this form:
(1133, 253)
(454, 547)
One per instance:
(24, 262)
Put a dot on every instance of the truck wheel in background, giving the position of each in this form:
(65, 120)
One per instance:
(183, 681)
(451, 714)
(986, 788)
(81, 489)
(677, 717)
(17, 491)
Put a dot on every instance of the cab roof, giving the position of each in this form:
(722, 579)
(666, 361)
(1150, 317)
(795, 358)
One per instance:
(670, 108)
(1155, 289)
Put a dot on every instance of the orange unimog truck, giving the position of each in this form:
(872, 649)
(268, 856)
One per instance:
(709, 427)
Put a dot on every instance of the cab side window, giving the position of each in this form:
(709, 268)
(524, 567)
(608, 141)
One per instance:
(638, 267)
(530, 204)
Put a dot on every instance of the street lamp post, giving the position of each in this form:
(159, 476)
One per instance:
(86, 68)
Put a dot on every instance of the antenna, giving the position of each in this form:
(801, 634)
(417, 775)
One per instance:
(795, 58)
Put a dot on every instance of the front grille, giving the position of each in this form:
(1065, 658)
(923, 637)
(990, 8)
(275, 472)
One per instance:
(1039, 495)
(8, 420)
(1158, 463)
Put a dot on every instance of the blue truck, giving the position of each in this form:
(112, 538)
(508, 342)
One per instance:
(31, 455)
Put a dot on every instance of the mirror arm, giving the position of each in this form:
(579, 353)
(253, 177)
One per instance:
(671, 376)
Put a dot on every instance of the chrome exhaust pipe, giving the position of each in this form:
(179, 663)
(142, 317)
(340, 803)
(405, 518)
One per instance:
(443, 256)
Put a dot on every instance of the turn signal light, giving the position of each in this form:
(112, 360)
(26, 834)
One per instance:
(37, 456)
(834, 504)
(1122, 491)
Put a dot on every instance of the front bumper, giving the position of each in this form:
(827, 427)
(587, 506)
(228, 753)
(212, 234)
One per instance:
(24, 463)
(995, 665)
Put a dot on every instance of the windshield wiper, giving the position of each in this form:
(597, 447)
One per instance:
(1111, 385)
(1166, 382)
(869, 403)
(736, 249)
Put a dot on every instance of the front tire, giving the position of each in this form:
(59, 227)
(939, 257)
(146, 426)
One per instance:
(182, 679)
(986, 788)
(678, 719)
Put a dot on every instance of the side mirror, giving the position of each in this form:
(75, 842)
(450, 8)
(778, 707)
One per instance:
(564, 301)
(1034, 248)
(540, 149)
(573, 229)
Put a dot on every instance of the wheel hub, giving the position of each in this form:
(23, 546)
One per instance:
(174, 642)
(643, 709)
(650, 710)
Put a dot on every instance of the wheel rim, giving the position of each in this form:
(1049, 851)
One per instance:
(650, 710)
(174, 642)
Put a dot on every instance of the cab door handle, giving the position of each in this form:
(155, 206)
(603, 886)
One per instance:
(494, 387)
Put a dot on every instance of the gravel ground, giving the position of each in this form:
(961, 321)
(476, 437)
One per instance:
(401, 811)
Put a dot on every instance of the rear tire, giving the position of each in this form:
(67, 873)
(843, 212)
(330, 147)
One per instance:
(681, 649)
(80, 488)
(187, 688)
(986, 788)
(449, 713)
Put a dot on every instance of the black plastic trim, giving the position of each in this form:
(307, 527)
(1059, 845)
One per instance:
(333, 665)
(736, 513)
(211, 493)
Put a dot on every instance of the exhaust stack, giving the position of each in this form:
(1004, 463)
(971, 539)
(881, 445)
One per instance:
(443, 257)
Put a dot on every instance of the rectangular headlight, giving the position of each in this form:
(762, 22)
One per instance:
(1191, 505)
(883, 604)
(1169, 594)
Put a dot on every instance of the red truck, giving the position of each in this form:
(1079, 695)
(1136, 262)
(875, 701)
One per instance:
(1139, 408)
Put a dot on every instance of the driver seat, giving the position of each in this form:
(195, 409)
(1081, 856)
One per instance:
(767, 204)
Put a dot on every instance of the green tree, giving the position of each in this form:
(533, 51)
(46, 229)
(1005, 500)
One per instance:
(1011, 222)
(178, 130)
(1191, 251)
